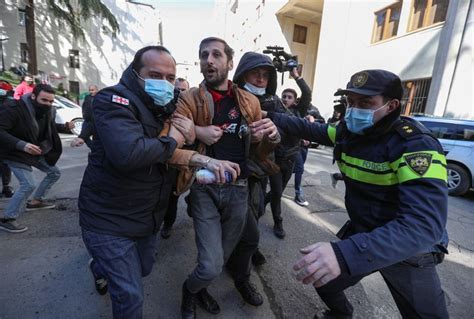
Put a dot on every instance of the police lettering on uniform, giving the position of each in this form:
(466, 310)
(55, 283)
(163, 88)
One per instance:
(396, 197)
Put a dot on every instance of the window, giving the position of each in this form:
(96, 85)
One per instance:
(24, 52)
(415, 96)
(299, 34)
(74, 59)
(21, 17)
(386, 22)
(427, 12)
(450, 131)
(442, 130)
(74, 87)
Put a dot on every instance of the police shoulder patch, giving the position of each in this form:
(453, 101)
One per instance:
(120, 100)
(407, 129)
(418, 162)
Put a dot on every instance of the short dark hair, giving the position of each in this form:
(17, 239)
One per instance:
(291, 91)
(227, 49)
(137, 63)
(181, 80)
(43, 88)
(394, 90)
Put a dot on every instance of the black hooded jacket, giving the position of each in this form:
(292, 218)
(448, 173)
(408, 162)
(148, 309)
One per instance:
(289, 145)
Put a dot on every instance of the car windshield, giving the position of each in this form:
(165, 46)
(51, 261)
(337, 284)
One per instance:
(67, 103)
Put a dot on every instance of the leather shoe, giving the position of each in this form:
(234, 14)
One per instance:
(165, 232)
(279, 231)
(258, 258)
(207, 302)
(8, 191)
(188, 304)
(249, 293)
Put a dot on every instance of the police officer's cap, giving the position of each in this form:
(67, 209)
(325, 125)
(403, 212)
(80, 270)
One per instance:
(374, 82)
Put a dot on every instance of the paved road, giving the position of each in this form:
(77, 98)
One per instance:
(45, 273)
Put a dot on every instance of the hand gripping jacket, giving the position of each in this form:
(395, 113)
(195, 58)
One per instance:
(396, 193)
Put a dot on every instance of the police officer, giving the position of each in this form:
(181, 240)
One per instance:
(396, 198)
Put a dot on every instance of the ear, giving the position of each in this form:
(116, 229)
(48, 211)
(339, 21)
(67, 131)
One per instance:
(393, 105)
(231, 64)
(33, 96)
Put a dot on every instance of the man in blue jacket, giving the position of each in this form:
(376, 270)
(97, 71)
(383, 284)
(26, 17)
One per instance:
(126, 186)
(396, 197)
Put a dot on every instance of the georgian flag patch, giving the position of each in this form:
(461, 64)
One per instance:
(120, 100)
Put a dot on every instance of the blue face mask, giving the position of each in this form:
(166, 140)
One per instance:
(255, 89)
(161, 91)
(357, 120)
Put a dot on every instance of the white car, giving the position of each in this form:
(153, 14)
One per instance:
(68, 111)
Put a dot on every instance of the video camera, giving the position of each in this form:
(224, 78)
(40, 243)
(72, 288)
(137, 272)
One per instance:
(281, 60)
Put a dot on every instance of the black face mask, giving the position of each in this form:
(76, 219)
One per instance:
(41, 109)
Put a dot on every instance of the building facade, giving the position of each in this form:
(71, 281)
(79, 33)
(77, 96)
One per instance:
(73, 63)
(427, 42)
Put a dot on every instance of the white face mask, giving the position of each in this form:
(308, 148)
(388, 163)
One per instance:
(254, 89)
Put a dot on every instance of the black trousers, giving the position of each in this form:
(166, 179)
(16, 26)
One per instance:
(171, 211)
(413, 283)
(6, 174)
(278, 184)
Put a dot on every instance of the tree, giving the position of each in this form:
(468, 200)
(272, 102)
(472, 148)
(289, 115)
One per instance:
(73, 13)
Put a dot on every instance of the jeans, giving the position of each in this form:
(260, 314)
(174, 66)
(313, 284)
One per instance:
(219, 214)
(299, 169)
(24, 174)
(413, 283)
(278, 184)
(123, 262)
(239, 262)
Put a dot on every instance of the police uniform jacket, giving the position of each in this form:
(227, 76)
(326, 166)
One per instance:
(126, 187)
(396, 193)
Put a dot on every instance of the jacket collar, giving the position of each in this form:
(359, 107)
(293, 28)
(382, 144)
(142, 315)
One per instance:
(130, 81)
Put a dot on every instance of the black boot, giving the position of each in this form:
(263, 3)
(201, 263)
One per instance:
(278, 230)
(207, 302)
(249, 293)
(7, 191)
(258, 258)
(188, 304)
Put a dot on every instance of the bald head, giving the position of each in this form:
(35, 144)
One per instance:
(93, 89)
(154, 62)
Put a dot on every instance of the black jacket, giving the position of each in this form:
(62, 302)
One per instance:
(126, 187)
(88, 125)
(18, 126)
(289, 145)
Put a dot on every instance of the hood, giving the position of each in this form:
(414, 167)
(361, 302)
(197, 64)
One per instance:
(252, 60)
(130, 80)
